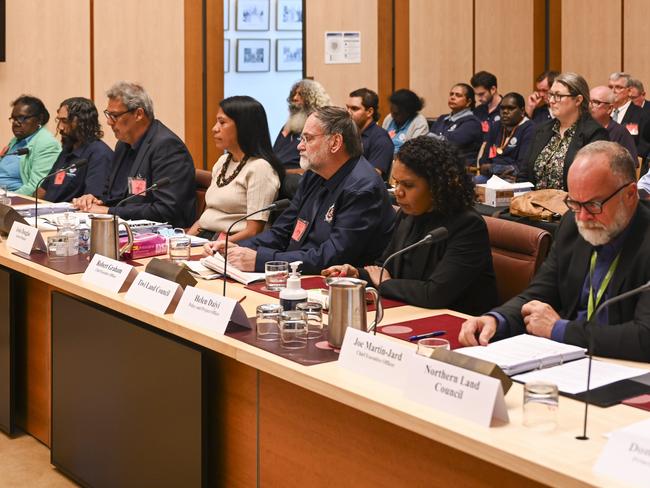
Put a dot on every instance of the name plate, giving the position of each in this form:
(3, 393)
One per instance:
(626, 456)
(455, 390)
(109, 274)
(154, 293)
(22, 237)
(209, 312)
(375, 356)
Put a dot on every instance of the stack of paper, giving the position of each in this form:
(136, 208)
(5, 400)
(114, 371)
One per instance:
(216, 263)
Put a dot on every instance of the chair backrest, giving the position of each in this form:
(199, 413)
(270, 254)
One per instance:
(203, 181)
(518, 250)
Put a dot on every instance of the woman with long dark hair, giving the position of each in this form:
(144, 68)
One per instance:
(247, 177)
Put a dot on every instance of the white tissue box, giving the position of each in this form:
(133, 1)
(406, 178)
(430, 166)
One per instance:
(500, 197)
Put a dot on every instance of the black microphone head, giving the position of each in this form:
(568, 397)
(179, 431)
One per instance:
(281, 204)
(438, 234)
(164, 181)
(22, 151)
(79, 163)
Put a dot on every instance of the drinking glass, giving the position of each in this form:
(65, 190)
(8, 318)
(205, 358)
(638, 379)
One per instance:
(293, 329)
(276, 274)
(541, 402)
(428, 345)
(314, 315)
(179, 248)
(267, 326)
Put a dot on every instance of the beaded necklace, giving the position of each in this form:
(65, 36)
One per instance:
(221, 177)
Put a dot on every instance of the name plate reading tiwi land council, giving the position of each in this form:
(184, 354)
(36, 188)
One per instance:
(22, 237)
(455, 390)
(375, 356)
(626, 456)
(209, 312)
(109, 274)
(154, 293)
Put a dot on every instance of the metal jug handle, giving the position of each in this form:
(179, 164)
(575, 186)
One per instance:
(379, 310)
(126, 247)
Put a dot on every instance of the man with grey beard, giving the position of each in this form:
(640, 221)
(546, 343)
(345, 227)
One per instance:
(600, 251)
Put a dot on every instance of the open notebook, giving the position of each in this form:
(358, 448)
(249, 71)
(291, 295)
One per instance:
(215, 262)
(525, 352)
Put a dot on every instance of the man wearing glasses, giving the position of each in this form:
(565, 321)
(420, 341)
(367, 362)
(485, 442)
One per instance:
(146, 152)
(601, 101)
(599, 252)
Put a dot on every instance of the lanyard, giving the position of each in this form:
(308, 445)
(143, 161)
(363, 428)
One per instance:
(593, 303)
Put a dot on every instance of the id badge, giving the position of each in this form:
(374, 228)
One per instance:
(485, 126)
(493, 152)
(299, 229)
(59, 178)
(137, 185)
(633, 129)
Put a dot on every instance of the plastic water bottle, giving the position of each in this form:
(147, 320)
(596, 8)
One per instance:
(84, 237)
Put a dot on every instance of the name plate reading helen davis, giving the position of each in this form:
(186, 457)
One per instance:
(626, 456)
(377, 357)
(154, 293)
(109, 274)
(22, 237)
(455, 390)
(208, 312)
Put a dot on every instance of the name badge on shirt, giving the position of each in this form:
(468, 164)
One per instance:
(58, 179)
(493, 152)
(137, 185)
(485, 126)
(391, 133)
(299, 229)
(633, 129)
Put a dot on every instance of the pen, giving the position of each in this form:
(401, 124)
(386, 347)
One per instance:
(435, 333)
(241, 299)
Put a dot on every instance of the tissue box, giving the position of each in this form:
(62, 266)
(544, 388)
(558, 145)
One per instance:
(500, 197)
(145, 246)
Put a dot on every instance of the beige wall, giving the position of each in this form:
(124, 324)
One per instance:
(336, 15)
(636, 41)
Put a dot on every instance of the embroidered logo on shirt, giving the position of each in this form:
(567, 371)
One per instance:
(329, 216)
(497, 118)
(513, 142)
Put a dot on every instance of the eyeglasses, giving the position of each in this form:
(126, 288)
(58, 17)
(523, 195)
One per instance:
(308, 138)
(558, 97)
(598, 103)
(114, 116)
(61, 120)
(617, 88)
(20, 119)
(593, 207)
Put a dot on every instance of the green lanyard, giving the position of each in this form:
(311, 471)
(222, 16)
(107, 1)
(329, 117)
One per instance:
(593, 303)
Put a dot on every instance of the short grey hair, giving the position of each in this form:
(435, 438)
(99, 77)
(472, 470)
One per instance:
(576, 85)
(337, 120)
(133, 96)
(634, 83)
(617, 75)
(621, 162)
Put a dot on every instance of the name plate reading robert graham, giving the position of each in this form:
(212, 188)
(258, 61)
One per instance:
(21, 237)
(209, 312)
(626, 456)
(108, 273)
(375, 356)
(154, 293)
(455, 390)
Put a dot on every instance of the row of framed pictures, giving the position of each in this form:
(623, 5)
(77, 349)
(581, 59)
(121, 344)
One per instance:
(254, 55)
(253, 15)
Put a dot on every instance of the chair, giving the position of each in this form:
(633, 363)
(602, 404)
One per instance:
(518, 250)
(203, 181)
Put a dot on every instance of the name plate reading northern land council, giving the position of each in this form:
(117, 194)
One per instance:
(108, 274)
(208, 311)
(154, 293)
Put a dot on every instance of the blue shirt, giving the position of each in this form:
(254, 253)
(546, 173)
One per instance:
(541, 114)
(398, 134)
(286, 150)
(90, 178)
(463, 129)
(515, 147)
(10, 165)
(378, 148)
(488, 119)
(346, 219)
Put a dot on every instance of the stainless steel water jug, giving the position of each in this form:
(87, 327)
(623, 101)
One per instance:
(104, 236)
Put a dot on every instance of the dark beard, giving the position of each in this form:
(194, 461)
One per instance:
(68, 142)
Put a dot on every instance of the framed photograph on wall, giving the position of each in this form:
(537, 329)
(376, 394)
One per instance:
(253, 55)
(253, 15)
(226, 55)
(288, 55)
(226, 15)
(289, 15)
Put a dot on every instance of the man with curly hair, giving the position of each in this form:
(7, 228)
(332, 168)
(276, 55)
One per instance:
(81, 137)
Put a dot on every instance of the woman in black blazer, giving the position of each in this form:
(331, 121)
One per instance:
(556, 142)
(433, 190)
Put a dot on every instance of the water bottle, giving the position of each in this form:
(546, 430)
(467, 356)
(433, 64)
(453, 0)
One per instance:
(84, 237)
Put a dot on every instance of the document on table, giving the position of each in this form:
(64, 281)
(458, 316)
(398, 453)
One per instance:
(572, 377)
(216, 263)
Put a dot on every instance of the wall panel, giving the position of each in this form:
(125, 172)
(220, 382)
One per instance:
(142, 41)
(336, 15)
(636, 42)
(592, 38)
(441, 51)
(48, 55)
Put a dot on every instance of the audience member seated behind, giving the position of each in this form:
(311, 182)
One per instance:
(629, 115)
(537, 107)
(21, 174)
(433, 190)
(603, 236)
(601, 101)
(245, 179)
(556, 142)
(78, 124)
(460, 127)
(508, 141)
(146, 152)
(405, 121)
(341, 212)
(363, 106)
(488, 99)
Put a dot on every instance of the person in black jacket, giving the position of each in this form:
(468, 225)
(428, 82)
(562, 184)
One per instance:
(433, 190)
(556, 142)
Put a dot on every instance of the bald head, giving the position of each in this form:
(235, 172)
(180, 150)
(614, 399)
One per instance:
(600, 105)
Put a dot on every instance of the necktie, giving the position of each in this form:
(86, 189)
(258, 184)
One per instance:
(615, 115)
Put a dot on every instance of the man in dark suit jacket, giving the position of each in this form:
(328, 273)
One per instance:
(599, 252)
(147, 151)
(629, 115)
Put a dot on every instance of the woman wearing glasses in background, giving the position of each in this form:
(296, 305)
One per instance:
(556, 142)
(30, 154)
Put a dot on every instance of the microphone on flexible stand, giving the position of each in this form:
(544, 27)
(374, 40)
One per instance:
(80, 163)
(18, 152)
(436, 235)
(277, 205)
(589, 327)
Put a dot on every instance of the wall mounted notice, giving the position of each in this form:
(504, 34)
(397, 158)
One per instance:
(342, 47)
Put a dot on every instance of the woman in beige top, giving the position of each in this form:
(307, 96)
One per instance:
(244, 179)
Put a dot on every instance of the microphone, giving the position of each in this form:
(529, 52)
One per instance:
(277, 205)
(436, 235)
(80, 163)
(18, 152)
(606, 303)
